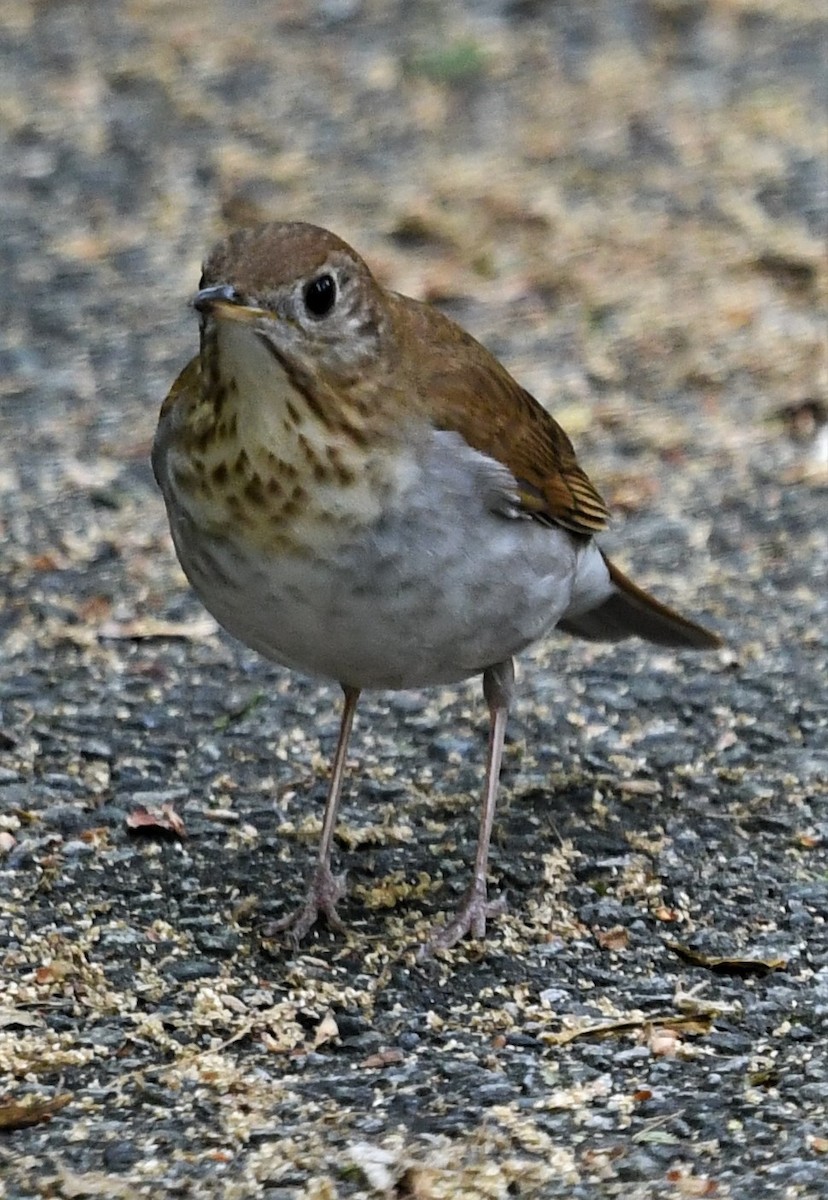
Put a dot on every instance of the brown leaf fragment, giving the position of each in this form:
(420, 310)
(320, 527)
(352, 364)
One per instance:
(95, 609)
(617, 938)
(98, 835)
(729, 964)
(808, 841)
(30, 1110)
(687, 1184)
(164, 820)
(54, 972)
(383, 1058)
(47, 561)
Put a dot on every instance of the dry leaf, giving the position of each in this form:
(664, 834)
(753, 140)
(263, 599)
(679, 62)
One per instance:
(692, 1185)
(54, 972)
(98, 835)
(808, 841)
(163, 820)
(727, 964)
(30, 1110)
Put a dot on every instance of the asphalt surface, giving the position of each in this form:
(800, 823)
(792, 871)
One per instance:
(627, 203)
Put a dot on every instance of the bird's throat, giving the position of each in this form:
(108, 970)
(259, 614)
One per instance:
(278, 448)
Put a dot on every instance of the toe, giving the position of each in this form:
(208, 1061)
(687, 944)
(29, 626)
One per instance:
(324, 893)
(471, 917)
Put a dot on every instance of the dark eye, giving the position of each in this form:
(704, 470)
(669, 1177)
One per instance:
(320, 295)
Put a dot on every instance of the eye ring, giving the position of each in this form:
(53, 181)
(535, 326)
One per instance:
(320, 295)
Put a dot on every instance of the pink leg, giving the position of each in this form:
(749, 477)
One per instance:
(475, 907)
(325, 889)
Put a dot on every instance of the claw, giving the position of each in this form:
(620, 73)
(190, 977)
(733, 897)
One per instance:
(471, 917)
(324, 893)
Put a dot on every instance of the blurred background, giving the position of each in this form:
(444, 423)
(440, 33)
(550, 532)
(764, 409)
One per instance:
(626, 201)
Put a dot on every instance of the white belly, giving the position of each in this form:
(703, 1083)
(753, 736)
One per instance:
(442, 586)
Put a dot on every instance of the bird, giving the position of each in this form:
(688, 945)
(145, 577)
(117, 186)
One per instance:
(360, 491)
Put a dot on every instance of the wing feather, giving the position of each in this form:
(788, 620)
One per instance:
(467, 391)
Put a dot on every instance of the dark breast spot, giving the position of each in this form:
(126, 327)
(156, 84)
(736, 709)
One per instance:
(254, 490)
(341, 473)
(308, 450)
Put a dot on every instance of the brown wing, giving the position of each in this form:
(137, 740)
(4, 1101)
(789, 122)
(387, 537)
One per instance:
(467, 390)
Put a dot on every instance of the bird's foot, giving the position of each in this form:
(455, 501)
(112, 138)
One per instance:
(324, 893)
(475, 909)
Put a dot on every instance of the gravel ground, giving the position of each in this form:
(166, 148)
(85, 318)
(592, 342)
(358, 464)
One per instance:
(626, 201)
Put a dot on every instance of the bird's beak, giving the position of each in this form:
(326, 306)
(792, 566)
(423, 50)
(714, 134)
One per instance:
(222, 300)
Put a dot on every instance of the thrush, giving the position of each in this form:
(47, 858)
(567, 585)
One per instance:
(357, 489)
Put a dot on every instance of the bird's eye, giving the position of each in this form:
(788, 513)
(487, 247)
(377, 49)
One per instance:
(320, 295)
